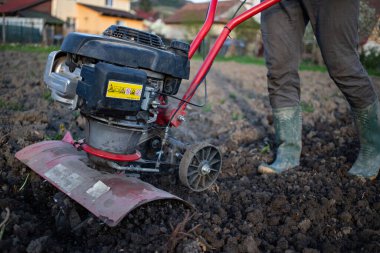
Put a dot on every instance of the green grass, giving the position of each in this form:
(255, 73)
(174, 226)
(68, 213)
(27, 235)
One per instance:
(232, 96)
(28, 48)
(306, 65)
(236, 116)
(47, 95)
(261, 61)
(55, 137)
(312, 67)
(11, 106)
(59, 135)
(207, 108)
(373, 72)
(240, 59)
(265, 149)
(76, 114)
(307, 107)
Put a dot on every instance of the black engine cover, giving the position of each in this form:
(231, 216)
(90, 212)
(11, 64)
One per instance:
(111, 90)
(119, 47)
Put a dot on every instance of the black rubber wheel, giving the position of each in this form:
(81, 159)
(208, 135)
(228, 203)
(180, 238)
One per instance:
(200, 166)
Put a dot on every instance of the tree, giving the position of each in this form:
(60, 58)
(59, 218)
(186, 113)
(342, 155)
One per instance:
(367, 20)
(247, 31)
(145, 5)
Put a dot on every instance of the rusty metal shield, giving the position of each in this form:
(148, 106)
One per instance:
(110, 197)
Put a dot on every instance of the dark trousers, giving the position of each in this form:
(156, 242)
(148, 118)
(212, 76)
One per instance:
(335, 25)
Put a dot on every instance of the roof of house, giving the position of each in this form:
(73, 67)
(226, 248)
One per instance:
(22, 8)
(148, 15)
(19, 5)
(196, 13)
(112, 12)
(36, 14)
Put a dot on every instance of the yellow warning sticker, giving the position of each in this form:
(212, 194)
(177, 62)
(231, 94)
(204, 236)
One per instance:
(122, 90)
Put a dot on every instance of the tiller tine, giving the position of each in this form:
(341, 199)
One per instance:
(110, 197)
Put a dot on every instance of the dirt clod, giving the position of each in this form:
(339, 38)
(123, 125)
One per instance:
(37, 245)
(304, 225)
(249, 245)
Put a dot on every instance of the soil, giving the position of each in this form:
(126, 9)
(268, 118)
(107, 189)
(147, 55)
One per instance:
(316, 207)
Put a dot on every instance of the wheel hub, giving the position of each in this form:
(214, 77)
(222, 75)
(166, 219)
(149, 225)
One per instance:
(205, 169)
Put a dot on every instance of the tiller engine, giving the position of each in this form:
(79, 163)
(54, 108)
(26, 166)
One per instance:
(121, 82)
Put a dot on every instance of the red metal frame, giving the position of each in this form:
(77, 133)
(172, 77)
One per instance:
(172, 116)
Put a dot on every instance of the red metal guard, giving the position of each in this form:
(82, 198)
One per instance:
(173, 116)
(110, 197)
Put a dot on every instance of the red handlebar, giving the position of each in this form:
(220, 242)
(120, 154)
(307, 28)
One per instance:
(205, 28)
(174, 117)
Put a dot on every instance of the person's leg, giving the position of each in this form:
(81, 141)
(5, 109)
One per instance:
(283, 27)
(336, 28)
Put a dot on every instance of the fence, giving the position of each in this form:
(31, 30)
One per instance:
(22, 30)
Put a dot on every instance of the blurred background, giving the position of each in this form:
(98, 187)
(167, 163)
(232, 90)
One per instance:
(42, 24)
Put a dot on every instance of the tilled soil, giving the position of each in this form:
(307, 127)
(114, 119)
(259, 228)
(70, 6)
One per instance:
(316, 207)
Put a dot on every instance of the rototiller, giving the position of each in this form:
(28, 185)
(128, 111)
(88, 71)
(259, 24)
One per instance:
(121, 83)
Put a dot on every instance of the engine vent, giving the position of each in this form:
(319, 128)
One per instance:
(126, 33)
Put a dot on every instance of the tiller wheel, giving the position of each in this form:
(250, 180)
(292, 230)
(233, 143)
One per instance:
(200, 166)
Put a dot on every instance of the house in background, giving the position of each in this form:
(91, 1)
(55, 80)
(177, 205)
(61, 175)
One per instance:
(150, 16)
(185, 23)
(94, 16)
(29, 21)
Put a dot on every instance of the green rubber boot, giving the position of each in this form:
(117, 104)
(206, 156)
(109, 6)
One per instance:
(288, 127)
(367, 120)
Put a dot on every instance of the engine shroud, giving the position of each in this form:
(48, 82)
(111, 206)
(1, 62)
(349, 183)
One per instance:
(110, 89)
(116, 47)
(118, 81)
